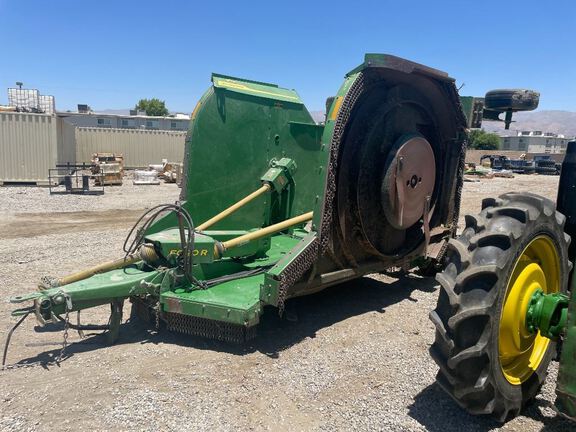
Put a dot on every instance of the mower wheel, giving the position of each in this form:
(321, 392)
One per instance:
(144, 312)
(489, 362)
(511, 99)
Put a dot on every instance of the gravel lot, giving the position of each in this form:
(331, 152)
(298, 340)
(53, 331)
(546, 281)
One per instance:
(356, 357)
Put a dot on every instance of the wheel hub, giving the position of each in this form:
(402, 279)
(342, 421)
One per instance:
(521, 350)
(408, 182)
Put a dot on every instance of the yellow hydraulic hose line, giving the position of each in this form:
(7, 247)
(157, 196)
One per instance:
(264, 232)
(100, 268)
(265, 188)
(146, 253)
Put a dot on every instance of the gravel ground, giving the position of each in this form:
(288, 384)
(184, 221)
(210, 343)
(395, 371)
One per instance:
(24, 199)
(354, 359)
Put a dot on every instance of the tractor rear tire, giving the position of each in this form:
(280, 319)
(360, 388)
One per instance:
(511, 99)
(484, 265)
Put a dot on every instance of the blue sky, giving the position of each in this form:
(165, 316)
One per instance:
(109, 54)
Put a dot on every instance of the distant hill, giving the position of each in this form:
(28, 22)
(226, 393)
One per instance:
(559, 122)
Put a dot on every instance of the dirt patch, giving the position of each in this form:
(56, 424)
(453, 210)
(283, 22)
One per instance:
(355, 357)
(26, 225)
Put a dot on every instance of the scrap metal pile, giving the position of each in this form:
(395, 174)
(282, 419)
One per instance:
(108, 168)
(498, 165)
(170, 172)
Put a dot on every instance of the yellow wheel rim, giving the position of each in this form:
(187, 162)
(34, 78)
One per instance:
(521, 352)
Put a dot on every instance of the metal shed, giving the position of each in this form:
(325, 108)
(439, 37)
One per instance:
(140, 147)
(30, 144)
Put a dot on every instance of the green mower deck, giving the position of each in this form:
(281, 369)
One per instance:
(275, 205)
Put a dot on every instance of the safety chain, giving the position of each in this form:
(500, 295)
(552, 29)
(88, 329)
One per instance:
(66, 328)
(24, 365)
(55, 362)
(65, 339)
(157, 316)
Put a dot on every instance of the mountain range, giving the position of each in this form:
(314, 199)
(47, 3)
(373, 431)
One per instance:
(555, 121)
(558, 122)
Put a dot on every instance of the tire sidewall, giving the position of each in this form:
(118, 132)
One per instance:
(520, 100)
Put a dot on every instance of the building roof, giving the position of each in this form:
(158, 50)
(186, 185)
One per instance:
(177, 116)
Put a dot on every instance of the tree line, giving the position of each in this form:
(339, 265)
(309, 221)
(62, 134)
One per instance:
(479, 139)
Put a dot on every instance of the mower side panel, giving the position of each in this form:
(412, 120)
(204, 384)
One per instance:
(236, 130)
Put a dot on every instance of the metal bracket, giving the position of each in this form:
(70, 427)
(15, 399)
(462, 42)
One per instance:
(426, 224)
(547, 313)
(280, 173)
(115, 320)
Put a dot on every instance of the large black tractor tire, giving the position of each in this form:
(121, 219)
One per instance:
(474, 288)
(546, 164)
(546, 171)
(511, 99)
(529, 170)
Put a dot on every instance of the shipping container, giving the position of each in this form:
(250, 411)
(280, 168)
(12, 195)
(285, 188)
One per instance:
(31, 144)
(139, 147)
